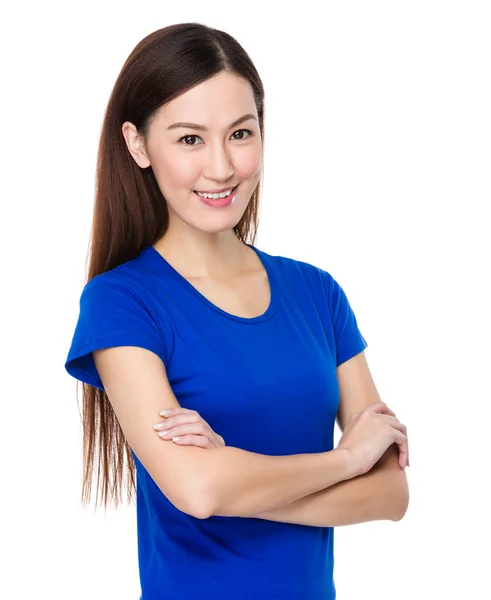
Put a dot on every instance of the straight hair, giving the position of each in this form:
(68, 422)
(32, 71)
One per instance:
(130, 211)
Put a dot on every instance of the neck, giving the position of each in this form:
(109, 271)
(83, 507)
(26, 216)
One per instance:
(215, 256)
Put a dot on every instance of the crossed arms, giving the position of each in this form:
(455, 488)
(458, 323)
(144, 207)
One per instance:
(303, 489)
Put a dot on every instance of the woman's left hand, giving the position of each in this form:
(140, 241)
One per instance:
(186, 427)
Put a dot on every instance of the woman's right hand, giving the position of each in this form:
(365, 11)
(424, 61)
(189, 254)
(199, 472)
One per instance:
(368, 434)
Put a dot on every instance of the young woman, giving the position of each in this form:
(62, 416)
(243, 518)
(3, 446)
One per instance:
(253, 356)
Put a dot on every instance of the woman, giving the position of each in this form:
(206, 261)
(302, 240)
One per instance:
(181, 312)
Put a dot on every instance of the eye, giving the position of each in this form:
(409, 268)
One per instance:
(187, 137)
(241, 138)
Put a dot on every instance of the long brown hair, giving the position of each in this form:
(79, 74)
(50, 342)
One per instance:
(130, 211)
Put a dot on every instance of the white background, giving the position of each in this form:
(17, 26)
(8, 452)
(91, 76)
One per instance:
(377, 169)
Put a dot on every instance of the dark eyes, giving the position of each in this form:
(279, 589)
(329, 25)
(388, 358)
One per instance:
(187, 137)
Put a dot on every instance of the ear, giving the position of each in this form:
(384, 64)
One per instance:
(136, 144)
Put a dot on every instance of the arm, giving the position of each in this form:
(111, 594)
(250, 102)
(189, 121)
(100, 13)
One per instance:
(242, 482)
(223, 481)
(382, 493)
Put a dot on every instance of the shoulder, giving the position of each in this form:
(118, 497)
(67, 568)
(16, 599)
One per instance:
(113, 312)
(125, 281)
(106, 291)
(115, 299)
(303, 279)
(295, 268)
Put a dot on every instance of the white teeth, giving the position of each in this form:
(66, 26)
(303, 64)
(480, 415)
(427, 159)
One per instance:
(215, 196)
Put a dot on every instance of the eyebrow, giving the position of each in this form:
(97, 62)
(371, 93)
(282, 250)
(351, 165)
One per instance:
(203, 128)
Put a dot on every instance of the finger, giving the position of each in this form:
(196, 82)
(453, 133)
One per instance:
(402, 447)
(182, 416)
(401, 441)
(187, 429)
(402, 455)
(387, 410)
(403, 458)
(169, 422)
(188, 417)
(193, 440)
(380, 407)
(168, 412)
(174, 410)
(394, 422)
(180, 419)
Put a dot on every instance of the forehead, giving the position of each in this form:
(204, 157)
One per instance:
(217, 100)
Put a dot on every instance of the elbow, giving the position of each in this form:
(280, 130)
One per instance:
(401, 501)
(203, 505)
(401, 509)
(188, 493)
(199, 513)
(200, 499)
(200, 508)
(191, 501)
(400, 513)
(206, 486)
(194, 501)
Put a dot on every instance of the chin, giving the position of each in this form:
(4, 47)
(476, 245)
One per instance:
(217, 226)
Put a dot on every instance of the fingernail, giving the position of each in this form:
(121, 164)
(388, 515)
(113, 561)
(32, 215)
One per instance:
(164, 433)
(175, 439)
(165, 413)
(158, 426)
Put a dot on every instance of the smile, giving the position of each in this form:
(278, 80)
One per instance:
(218, 200)
(215, 195)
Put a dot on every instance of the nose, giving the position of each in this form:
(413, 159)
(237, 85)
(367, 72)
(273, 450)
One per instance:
(218, 165)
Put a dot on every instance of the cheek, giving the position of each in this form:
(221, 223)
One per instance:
(249, 164)
(171, 168)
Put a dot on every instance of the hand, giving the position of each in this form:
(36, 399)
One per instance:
(186, 427)
(403, 450)
(368, 434)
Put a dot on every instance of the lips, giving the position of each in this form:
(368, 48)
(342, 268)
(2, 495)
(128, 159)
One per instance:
(219, 202)
(224, 190)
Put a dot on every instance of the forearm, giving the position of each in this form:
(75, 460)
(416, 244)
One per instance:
(240, 483)
(380, 494)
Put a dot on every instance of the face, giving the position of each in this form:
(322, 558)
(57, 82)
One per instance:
(220, 154)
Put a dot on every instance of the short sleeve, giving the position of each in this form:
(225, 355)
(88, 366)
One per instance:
(111, 314)
(348, 337)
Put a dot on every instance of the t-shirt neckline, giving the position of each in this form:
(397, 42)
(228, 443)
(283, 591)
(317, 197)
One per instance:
(154, 255)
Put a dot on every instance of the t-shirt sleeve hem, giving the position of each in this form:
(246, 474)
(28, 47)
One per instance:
(80, 363)
(354, 347)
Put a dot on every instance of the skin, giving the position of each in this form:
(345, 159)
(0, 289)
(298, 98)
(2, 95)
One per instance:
(188, 428)
(201, 244)
(380, 494)
(200, 241)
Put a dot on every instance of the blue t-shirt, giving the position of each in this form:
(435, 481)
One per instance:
(267, 384)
